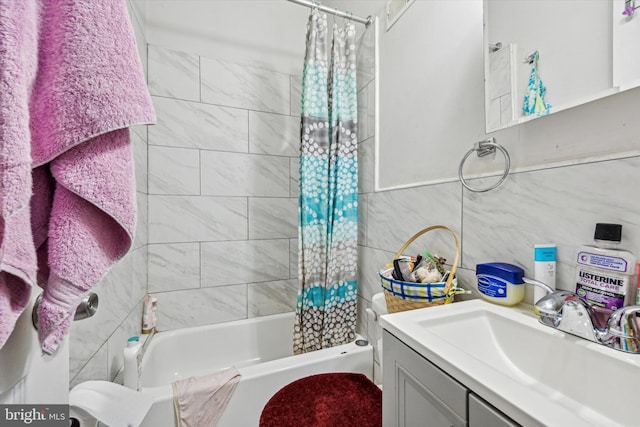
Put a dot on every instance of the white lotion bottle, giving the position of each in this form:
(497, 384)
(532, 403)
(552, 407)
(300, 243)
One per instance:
(132, 363)
(544, 268)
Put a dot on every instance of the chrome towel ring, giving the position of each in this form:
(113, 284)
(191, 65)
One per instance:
(483, 148)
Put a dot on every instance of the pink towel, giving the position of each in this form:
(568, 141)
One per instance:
(18, 66)
(87, 90)
(200, 401)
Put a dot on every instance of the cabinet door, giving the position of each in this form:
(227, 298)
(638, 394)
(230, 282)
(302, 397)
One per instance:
(482, 414)
(416, 392)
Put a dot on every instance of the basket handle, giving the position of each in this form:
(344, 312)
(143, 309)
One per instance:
(454, 265)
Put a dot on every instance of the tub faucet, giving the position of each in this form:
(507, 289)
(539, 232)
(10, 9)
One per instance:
(568, 312)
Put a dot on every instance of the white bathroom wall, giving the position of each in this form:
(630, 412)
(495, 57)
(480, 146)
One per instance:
(432, 91)
(96, 343)
(265, 33)
(626, 53)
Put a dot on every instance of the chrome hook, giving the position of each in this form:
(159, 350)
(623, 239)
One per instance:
(629, 8)
(87, 308)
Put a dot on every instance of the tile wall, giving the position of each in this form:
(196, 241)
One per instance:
(550, 205)
(223, 170)
(222, 189)
(217, 194)
(558, 205)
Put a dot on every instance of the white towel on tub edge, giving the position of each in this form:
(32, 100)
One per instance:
(200, 401)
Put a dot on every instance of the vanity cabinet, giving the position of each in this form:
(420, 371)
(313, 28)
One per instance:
(418, 393)
(482, 414)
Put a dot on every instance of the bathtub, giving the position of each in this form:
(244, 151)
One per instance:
(261, 350)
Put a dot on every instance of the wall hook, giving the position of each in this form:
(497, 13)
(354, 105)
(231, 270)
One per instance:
(530, 59)
(629, 8)
(87, 308)
(495, 47)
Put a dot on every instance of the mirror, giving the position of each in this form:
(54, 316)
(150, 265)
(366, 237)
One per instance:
(585, 50)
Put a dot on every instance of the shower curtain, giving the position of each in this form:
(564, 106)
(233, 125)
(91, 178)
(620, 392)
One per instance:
(328, 200)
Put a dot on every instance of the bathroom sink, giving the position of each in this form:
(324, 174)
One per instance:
(535, 374)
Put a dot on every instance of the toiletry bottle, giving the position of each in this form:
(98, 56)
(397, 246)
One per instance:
(154, 311)
(604, 272)
(132, 363)
(638, 280)
(544, 268)
(147, 314)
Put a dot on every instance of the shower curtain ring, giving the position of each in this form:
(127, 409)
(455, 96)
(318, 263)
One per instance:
(348, 15)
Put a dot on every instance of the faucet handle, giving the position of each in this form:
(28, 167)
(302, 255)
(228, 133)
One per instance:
(624, 328)
(553, 302)
(549, 307)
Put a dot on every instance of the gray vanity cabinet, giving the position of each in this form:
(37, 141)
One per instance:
(418, 393)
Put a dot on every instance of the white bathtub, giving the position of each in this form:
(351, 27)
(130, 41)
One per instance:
(260, 348)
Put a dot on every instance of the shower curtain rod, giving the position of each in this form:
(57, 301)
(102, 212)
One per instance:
(366, 21)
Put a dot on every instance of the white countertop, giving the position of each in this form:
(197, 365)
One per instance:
(535, 374)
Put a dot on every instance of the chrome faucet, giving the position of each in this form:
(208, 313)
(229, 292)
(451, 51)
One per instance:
(568, 312)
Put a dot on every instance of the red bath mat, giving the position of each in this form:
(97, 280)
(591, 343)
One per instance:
(325, 400)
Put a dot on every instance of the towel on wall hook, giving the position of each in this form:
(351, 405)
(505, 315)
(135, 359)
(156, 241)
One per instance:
(534, 103)
(73, 86)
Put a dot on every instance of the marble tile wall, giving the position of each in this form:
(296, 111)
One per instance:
(365, 77)
(97, 343)
(223, 188)
(223, 185)
(555, 205)
(218, 175)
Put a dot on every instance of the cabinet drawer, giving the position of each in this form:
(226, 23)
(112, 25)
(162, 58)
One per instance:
(483, 414)
(413, 379)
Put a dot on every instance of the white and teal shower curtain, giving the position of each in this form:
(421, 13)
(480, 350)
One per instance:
(328, 200)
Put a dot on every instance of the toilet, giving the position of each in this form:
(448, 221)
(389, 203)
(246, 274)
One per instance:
(378, 308)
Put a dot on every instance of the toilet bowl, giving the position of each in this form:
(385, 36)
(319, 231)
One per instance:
(97, 403)
(378, 308)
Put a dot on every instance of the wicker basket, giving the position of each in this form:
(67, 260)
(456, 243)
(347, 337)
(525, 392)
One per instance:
(402, 296)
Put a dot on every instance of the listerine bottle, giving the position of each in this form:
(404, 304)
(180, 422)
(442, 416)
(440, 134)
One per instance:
(604, 271)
